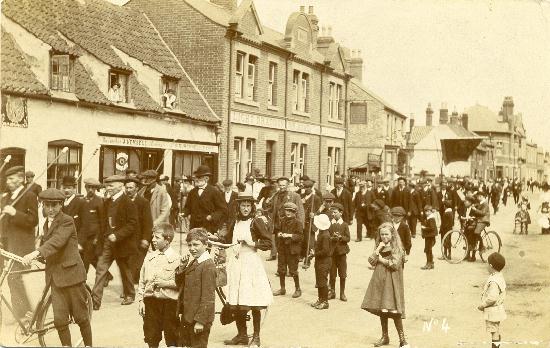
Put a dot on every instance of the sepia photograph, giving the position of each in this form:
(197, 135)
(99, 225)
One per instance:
(275, 173)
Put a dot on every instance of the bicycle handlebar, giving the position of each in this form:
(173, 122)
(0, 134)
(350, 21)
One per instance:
(221, 245)
(11, 256)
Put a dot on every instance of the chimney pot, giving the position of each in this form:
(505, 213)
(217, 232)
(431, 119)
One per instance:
(311, 10)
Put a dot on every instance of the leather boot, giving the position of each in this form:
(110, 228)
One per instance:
(242, 338)
(254, 341)
(383, 341)
(343, 289)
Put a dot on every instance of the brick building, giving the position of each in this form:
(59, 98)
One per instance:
(111, 91)
(280, 94)
(376, 131)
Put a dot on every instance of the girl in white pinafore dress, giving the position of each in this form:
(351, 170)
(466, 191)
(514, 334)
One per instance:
(247, 282)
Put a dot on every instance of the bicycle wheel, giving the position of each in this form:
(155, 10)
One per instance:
(457, 246)
(491, 244)
(47, 334)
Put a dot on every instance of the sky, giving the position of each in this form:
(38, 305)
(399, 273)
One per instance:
(456, 52)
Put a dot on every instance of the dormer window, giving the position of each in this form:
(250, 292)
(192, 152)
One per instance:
(62, 73)
(118, 87)
(169, 93)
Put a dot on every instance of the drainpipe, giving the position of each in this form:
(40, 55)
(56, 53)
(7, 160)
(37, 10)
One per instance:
(232, 35)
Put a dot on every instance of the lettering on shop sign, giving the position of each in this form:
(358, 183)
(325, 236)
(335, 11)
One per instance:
(157, 144)
(303, 127)
(14, 111)
(257, 120)
(333, 132)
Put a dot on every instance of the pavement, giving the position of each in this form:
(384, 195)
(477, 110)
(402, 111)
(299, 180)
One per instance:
(440, 304)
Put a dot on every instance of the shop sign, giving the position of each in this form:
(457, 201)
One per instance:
(257, 120)
(121, 161)
(303, 127)
(333, 132)
(156, 144)
(14, 111)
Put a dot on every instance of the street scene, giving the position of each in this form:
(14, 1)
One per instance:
(217, 173)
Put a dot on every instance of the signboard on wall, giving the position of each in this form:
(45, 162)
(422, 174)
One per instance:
(14, 111)
(156, 144)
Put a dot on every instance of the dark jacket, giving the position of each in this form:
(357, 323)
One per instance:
(75, 209)
(92, 219)
(231, 207)
(401, 198)
(447, 222)
(429, 227)
(323, 246)
(144, 220)
(311, 205)
(123, 215)
(481, 212)
(259, 229)
(383, 195)
(415, 204)
(339, 235)
(294, 227)
(277, 211)
(448, 196)
(59, 247)
(429, 198)
(35, 188)
(345, 199)
(197, 292)
(363, 204)
(18, 230)
(210, 202)
(405, 234)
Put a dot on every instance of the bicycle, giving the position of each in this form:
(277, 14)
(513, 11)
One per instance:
(460, 248)
(40, 321)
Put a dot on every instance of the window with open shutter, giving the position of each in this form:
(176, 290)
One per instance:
(239, 74)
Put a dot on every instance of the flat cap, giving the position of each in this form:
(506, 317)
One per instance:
(52, 194)
(92, 182)
(132, 179)
(15, 170)
(337, 206)
(150, 174)
(227, 182)
(379, 203)
(398, 211)
(328, 196)
(68, 180)
(115, 178)
(29, 173)
(290, 206)
(308, 184)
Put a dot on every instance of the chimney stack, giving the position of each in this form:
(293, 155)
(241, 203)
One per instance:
(356, 64)
(508, 109)
(464, 120)
(230, 5)
(443, 114)
(429, 114)
(315, 24)
(411, 123)
(454, 116)
(325, 39)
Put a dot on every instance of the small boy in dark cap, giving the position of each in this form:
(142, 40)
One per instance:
(403, 230)
(289, 245)
(492, 297)
(340, 237)
(429, 232)
(447, 223)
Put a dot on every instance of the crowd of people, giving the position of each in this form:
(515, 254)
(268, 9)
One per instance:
(132, 219)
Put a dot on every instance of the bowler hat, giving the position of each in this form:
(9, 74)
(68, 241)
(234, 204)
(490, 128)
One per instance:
(290, 206)
(398, 211)
(115, 178)
(91, 182)
(308, 184)
(202, 170)
(322, 222)
(68, 181)
(337, 206)
(52, 194)
(150, 173)
(15, 170)
(227, 182)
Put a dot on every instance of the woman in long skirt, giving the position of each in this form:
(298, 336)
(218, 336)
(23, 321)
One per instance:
(248, 285)
(385, 294)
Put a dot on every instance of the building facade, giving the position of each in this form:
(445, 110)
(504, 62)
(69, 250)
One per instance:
(281, 96)
(111, 92)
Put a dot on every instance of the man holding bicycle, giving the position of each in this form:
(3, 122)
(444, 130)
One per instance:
(64, 269)
(483, 215)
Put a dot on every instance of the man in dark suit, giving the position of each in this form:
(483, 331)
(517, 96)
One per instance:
(382, 193)
(363, 211)
(443, 195)
(344, 197)
(144, 231)
(73, 205)
(29, 178)
(401, 196)
(415, 206)
(65, 272)
(230, 199)
(312, 202)
(17, 223)
(119, 241)
(205, 203)
(429, 196)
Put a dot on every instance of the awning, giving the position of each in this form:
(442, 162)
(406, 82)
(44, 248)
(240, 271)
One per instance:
(458, 149)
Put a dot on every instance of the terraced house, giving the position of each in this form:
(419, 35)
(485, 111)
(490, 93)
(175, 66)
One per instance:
(98, 79)
(281, 95)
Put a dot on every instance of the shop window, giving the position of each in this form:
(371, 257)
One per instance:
(185, 163)
(237, 154)
(63, 164)
(169, 93)
(116, 160)
(62, 73)
(118, 87)
(358, 113)
(269, 156)
(272, 84)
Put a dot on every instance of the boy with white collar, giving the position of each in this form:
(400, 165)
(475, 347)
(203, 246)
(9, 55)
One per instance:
(340, 237)
(492, 298)
(197, 291)
(157, 290)
(429, 232)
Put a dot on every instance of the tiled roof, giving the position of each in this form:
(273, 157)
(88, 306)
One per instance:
(359, 92)
(142, 99)
(16, 74)
(85, 87)
(482, 119)
(443, 132)
(95, 25)
(418, 133)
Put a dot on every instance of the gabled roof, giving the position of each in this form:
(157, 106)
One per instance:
(358, 92)
(443, 132)
(98, 28)
(16, 74)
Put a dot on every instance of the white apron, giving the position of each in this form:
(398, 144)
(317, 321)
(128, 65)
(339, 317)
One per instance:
(247, 280)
